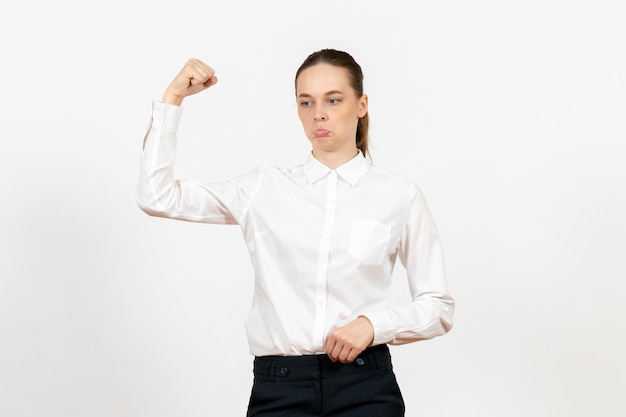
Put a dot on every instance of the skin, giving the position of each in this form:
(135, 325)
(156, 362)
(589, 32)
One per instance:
(329, 110)
(196, 76)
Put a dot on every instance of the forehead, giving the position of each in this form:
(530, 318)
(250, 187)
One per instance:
(321, 78)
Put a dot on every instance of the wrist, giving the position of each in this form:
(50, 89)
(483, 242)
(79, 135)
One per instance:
(171, 98)
(369, 326)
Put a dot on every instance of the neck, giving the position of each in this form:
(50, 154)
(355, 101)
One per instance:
(334, 159)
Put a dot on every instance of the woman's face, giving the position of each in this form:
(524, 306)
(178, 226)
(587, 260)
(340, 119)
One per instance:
(329, 108)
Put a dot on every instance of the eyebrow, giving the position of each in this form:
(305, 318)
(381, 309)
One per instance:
(330, 93)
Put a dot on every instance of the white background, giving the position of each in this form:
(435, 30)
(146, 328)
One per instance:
(510, 115)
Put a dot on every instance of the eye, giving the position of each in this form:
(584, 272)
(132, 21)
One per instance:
(305, 103)
(334, 100)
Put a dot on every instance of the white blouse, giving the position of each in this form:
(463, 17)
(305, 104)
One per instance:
(323, 243)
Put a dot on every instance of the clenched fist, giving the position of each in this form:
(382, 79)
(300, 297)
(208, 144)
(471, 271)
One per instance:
(195, 76)
(345, 343)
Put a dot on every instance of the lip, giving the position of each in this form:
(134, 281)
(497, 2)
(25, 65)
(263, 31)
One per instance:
(320, 133)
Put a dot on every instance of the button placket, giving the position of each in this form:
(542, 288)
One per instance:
(323, 257)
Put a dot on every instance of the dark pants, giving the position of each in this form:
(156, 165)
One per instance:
(312, 385)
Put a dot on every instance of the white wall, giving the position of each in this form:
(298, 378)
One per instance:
(510, 115)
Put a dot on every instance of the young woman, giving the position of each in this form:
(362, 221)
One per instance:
(323, 238)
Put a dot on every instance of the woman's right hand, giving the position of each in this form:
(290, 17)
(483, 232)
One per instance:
(195, 76)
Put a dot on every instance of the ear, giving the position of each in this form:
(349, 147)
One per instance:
(363, 105)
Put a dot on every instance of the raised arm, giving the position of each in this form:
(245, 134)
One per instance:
(159, 192)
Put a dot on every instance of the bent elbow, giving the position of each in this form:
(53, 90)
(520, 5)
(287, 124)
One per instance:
(150, 205)
(149, 209)
(447, 315)
(446, 324)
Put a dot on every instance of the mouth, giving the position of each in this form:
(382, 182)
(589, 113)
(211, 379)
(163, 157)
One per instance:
(321, 133)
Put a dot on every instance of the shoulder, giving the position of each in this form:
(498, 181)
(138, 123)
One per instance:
(394, 180)
(266, 171)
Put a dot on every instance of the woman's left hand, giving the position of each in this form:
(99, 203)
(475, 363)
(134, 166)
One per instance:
(345, 343)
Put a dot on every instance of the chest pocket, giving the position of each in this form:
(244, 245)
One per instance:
(369, 240)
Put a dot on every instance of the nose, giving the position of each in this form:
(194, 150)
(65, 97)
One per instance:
(320, 117)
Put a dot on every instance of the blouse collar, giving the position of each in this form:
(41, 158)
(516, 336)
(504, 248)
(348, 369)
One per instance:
(351, 171)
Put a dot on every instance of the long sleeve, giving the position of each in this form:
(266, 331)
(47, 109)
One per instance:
(431, 311)
(160, 194)
(320, 258)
